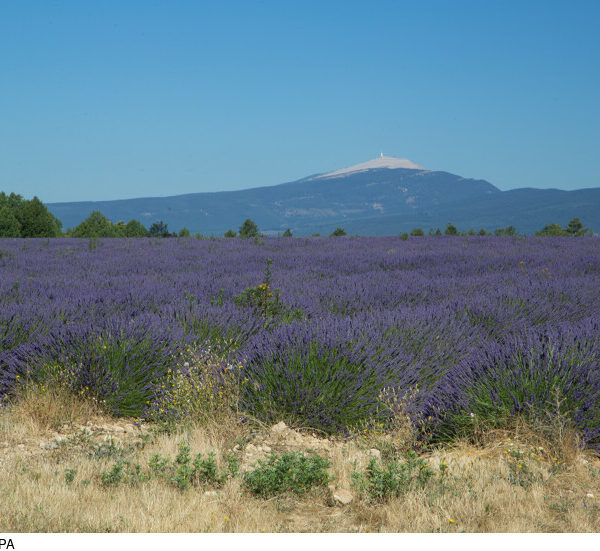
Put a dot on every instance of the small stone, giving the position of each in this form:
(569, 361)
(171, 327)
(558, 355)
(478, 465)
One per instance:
(4, 445)
(374, 452)
(50, 445)
(251, 448)
(279, 427)
(591, 496)
(118, 428)
(266, 449)
(211, 493)
(343, 497)
(21, 446)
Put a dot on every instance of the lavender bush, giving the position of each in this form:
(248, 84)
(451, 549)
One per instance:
(487, 325)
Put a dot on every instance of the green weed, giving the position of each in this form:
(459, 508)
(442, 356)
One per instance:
(380, 482)
(292, 472)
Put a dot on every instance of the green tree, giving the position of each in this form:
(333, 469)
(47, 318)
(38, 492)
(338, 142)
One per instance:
(9, 225)
(184, 232)
(417, 232)
(230, 233)
(287, 233)
(37, 221)
(552, 230)
(134, 228)
(120, 228)
(450, 229)
(482, 232)
(159, 229)
(248, 229)
(95, 225)
(576, 229)
(14, 202)
(338, 232)
(508, 231)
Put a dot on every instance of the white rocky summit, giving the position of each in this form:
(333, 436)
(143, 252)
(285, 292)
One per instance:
(379, 162)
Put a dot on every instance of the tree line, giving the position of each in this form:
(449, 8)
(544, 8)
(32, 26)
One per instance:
(31, 218)
(574, 228)
(22, 218)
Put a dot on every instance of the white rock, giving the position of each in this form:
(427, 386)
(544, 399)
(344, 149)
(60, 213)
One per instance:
(266, 449)
(374, 452)
(211, 493)
(590, 496)
(50, 445)
(343, 497)
(251, 448)
(279, 427)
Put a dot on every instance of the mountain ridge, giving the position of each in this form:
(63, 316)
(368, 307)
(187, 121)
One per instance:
(374, 200)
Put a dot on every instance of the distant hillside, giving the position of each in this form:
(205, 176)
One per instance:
(378, 197)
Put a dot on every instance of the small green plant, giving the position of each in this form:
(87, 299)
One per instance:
(206, 472)
(233, 465)
(158, 465)
(114, 476)
(261, 298)
(185, 472)
(124, 471)
(266, 301)
(183, 467)
(520, 474)
(218, 299)
(107, 450)
(292, 472)
(443, 470)
(70, 475)
(381, 482)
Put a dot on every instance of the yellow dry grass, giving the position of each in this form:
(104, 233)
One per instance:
(556, 489)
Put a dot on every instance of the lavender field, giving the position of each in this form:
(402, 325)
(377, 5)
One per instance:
(457, 330)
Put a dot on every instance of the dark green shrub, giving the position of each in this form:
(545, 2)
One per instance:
(292, 472)
(381, 482)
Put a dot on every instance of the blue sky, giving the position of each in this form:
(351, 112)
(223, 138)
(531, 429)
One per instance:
(108, 100)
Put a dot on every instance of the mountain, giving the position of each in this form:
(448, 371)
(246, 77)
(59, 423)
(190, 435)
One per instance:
(383, 196)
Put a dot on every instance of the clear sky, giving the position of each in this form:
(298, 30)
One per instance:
(108, 100)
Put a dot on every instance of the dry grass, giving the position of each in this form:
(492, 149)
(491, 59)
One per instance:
(483, 489)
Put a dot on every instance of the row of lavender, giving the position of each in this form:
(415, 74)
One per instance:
(456, 329)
